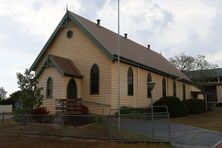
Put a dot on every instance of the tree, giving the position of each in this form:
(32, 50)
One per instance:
(30, 96)
(189, 63)
(2, 93)
(15, 97)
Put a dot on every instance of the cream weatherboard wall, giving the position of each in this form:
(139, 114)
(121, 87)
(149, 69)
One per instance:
(57, 86)
(219, 93)
(84, 53)
(139, 99)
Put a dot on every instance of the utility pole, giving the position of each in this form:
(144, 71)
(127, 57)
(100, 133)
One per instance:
(118, 52)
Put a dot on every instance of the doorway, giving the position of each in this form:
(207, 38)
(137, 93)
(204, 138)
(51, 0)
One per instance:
(72, 89)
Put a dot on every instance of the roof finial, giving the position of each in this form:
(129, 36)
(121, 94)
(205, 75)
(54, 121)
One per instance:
(67, 7)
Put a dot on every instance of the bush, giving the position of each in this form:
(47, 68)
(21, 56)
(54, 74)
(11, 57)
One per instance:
(176, 107)
(40, 115)
(40, 110)
(84, 109)
(6, 102)
(195, 106)
(131, 110)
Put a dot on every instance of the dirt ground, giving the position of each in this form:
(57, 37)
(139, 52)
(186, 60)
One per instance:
(52, 142)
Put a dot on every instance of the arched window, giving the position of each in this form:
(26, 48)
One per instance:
(49, 87)
(94, 80)
(184, 92)
(174, 88)
(164, 87)
(149, 79)
(130, 82)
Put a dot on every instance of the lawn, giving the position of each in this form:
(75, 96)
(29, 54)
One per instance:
(87, 131)
(210, 120)
(47, 142)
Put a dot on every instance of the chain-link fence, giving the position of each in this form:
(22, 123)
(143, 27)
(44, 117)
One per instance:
(133, 127)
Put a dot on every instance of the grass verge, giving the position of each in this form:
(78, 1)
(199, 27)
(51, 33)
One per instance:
(211, 120)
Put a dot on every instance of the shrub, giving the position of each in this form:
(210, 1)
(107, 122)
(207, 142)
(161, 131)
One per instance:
(40, 110)
(195, 106)
(40, 115)
(84, 109)
(176, 107)
(132, 110)
(6, 102)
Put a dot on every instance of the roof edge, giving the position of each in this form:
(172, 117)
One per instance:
(91, 36)
(82, 28)
(48, 42)
(131, 62)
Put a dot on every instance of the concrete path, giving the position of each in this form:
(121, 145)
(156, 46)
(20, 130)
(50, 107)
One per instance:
(180, 135)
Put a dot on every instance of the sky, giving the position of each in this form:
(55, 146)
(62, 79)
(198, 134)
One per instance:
(171, 27)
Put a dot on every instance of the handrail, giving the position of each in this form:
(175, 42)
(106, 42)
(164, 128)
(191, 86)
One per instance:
(96, 103)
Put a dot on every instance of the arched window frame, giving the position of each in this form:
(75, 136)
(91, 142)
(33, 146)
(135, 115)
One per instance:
(174, 88)
(164, 87)
(94, 80)
(130, 82)
(149, 79)
(49, 88)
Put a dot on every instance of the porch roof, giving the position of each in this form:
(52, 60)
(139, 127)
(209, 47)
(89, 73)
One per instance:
(65, 66)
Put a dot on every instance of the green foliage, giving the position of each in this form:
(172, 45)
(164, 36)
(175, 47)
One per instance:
(2, 93)
(15, 97)
(188, 63)
(196, 106)
(40, 110)
(6, 102)
(30, 97)
(131, 110)
(176, 107)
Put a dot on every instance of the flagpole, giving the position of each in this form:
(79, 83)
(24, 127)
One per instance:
(118, 50)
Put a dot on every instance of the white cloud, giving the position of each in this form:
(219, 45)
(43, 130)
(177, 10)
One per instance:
(141, 20)
(38, 16)
(192, 27)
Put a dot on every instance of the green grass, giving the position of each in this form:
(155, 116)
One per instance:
(210, 120)
(92, 130)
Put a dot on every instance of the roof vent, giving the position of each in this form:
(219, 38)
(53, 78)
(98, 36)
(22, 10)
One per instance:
(125, 35)
(98, 22)
(148, 46)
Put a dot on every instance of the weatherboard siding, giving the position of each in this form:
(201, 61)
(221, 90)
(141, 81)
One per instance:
(84, 53)
(57, 87)
(139, 99)
(219, 93)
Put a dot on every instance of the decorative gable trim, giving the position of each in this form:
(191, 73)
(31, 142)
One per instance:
(81, 27)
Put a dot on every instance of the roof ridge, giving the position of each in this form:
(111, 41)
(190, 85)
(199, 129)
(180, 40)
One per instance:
(103, 27)
(128, 45)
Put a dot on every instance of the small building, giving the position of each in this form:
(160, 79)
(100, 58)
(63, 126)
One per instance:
(210, 82)
(80, 61)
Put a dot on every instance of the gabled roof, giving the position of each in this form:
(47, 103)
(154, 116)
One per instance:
(130, 51)
(207, 73)
(63, 65)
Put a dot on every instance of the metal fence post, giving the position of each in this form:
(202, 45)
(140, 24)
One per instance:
(63, 121)
(3, 118)
(169, 126)
(110, 128)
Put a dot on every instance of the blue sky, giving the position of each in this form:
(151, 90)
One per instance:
(171, 27)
